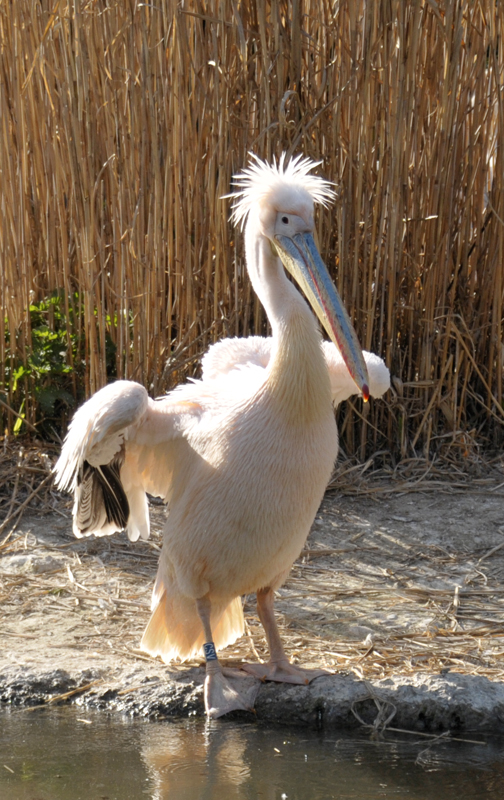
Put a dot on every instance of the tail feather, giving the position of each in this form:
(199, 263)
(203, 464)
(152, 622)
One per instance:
(230, 626)
(174, 630)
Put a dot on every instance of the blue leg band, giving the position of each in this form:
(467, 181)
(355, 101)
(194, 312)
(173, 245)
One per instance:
(209, 650)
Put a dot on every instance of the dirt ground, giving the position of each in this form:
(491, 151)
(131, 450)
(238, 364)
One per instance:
(393, 584)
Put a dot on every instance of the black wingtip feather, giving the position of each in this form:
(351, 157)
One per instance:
(101, 497)
(114, 496)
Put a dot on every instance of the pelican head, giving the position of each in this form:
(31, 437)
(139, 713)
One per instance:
(277, 202)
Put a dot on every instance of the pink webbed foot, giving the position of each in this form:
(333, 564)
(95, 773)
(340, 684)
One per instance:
(278, 667)
(283, 672)
(228, 690)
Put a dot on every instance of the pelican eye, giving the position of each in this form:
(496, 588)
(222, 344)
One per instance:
(285, 220)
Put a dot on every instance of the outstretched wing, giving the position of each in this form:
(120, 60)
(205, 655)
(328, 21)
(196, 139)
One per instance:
(120, 445)
(253, 353)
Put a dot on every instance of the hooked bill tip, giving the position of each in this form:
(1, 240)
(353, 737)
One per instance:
(365, 392)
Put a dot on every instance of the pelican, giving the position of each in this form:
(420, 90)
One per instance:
(242, 456)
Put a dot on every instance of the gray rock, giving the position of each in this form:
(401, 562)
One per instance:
(29, 563)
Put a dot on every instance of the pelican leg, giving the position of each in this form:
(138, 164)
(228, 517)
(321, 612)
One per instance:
(221, 696)
(278, 667)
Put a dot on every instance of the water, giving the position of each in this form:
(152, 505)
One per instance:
(72, 754)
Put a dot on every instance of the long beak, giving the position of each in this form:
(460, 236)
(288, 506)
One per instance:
(300, 256)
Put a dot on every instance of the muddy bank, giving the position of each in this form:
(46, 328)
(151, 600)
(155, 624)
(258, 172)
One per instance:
(397, 593)
(457, 703)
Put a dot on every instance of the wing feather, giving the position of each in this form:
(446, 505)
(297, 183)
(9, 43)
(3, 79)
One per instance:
(120, 445)
(229, 355)
(100, 499)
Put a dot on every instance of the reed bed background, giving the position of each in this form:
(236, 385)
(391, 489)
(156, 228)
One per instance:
(121, 125)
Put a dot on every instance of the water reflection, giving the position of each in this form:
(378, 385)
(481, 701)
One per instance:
(72, 754)
(197, 761)
(245, 762)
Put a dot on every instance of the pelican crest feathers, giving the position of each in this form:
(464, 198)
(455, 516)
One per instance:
(261, 180)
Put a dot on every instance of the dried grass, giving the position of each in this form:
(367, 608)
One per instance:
(121, 126)
(468, 640)
(26, 482)
(372, 578)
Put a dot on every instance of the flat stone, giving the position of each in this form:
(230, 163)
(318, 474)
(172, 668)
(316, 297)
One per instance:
(29, 563)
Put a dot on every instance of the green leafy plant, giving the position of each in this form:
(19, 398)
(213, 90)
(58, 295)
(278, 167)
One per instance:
(52, 373)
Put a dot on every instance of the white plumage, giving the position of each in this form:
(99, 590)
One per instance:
(242, 456)
(254, 353)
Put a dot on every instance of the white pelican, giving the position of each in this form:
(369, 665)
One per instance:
(242, 457)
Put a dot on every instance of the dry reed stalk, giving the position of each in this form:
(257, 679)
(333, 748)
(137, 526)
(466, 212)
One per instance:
(120, 129)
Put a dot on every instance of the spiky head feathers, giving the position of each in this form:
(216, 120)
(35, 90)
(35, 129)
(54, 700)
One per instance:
(279, 185)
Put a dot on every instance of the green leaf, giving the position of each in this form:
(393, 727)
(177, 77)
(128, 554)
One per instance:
(19, 420)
